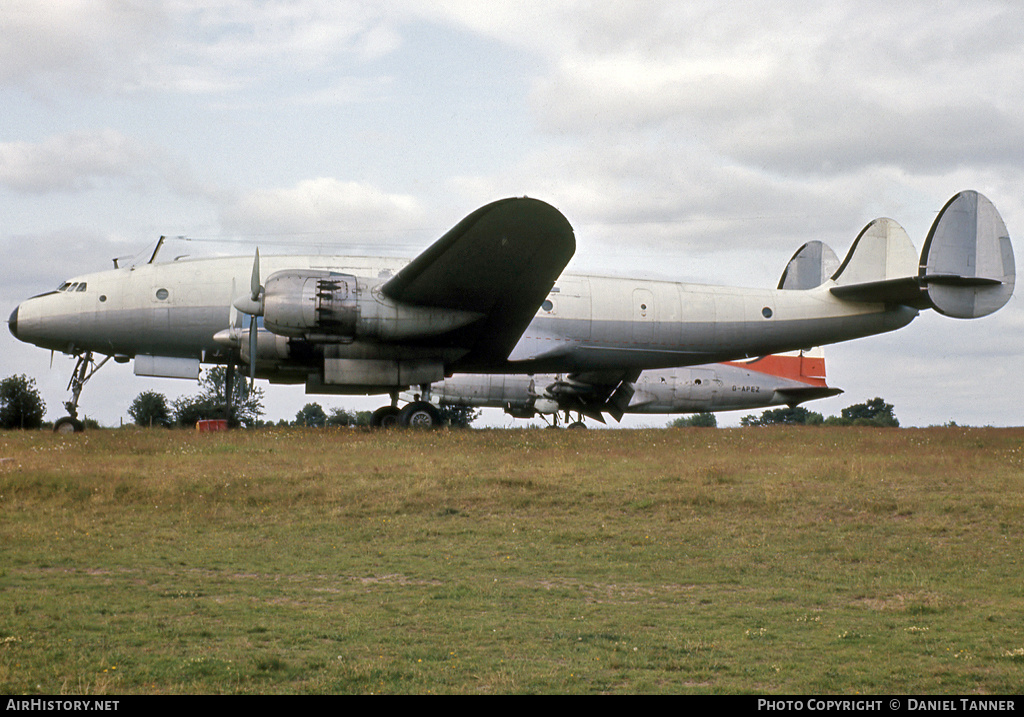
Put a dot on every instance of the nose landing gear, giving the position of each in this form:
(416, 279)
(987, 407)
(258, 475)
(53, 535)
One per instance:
(84, 370)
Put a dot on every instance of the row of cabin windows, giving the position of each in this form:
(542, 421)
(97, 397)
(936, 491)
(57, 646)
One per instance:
(161, 294)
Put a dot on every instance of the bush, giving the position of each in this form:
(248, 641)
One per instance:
(21, 406)
(312, 415)
(875, 412)
(150, 409)
(246, 402)
(697, 420)
(797, 416)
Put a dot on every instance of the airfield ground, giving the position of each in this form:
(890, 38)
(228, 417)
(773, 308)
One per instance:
(800, 560)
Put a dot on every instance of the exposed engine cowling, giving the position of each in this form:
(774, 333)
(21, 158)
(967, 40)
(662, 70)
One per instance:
(312, 303)
(326, 307)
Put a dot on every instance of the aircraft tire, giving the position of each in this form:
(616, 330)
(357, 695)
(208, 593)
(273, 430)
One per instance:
(384, 417)
(577, 425)
(419, 414)
(68, 425)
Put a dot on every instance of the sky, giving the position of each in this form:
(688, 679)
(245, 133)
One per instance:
(698, 141)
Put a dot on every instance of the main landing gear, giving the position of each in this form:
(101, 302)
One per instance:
(419, 413)
(569, 423)
(84, 370)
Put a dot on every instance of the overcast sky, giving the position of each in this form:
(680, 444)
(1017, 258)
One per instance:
(690, 141)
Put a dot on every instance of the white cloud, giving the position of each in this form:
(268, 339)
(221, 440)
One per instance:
(323, 206)
(72, 162)
(73, 39)
(186, 46)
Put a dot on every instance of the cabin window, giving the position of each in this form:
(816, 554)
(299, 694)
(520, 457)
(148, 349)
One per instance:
(547, 305)
(162, 294)
(766, 312)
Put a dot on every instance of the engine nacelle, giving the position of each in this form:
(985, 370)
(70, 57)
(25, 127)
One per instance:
(326, 307)
(301, 303)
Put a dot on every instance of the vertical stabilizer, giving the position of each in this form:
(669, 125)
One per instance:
(810, 267)
(967, 264)
(881, 252)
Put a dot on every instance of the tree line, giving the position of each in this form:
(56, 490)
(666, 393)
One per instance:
(21, 406)
(875, 412)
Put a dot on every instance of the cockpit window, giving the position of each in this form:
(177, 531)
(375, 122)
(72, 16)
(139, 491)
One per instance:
(81, 287)
(64, 286)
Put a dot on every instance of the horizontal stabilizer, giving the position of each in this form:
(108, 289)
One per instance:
(906, 291)
(810, 267)
(967, 263)
(966, 269)
(795, 396)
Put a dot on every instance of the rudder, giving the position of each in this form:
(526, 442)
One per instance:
(967, 264)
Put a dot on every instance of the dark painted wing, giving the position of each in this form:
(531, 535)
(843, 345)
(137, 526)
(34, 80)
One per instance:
(500, 261)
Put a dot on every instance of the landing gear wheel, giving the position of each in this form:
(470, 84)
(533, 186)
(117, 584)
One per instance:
(577, 425)
(384, 417)
(68, 425)
(420, 414)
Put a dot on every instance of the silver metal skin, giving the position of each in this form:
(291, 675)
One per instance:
(698, 389)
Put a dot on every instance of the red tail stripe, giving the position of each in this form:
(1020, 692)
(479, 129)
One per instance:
(806, 369)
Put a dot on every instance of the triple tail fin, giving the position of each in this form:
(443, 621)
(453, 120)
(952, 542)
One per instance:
(966, 269)
(810, 267)
(967, 263)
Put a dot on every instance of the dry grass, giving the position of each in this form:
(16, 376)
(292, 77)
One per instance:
(678, 560)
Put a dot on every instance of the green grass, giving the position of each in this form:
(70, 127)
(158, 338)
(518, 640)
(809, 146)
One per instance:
(783, 560)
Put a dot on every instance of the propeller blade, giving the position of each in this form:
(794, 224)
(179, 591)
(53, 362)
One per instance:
(252, 303)
(252, 350)
(254, 283)
(233, 311)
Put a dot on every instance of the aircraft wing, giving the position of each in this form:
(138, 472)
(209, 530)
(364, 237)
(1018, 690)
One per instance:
(500, 261)
(593, 393)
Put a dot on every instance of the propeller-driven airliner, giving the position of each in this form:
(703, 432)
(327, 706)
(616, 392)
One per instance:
(489, 297)
(787, 379)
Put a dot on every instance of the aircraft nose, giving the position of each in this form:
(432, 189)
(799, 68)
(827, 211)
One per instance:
(12, 323)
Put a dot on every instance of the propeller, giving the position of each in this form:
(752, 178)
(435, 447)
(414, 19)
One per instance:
(231, 337)
(234, 355)
(252, 304)
(256, 290)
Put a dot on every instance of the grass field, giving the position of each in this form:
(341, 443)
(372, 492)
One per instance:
(789, 560)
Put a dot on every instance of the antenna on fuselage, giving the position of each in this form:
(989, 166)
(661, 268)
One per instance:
(159, 244)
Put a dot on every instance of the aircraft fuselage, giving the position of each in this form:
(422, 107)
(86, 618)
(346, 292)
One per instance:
(176, 309)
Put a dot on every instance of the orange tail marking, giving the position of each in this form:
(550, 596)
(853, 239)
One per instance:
(806, 369)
